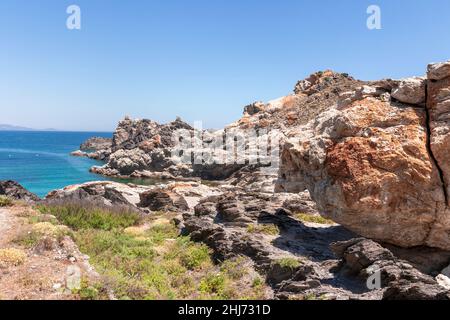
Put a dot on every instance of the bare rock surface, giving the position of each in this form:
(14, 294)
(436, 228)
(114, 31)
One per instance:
(411, 91)
(15, 191)
(96, 144)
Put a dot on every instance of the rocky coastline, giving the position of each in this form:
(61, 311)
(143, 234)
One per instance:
(359, 208)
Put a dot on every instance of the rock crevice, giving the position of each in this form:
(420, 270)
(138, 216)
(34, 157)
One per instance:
(430, 150)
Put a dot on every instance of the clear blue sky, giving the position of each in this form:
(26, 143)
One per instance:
(198, 59)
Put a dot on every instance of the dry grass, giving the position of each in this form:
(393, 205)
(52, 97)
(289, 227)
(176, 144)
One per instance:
(268, 229)
(5, 201)
(304, 217)
(11, 257)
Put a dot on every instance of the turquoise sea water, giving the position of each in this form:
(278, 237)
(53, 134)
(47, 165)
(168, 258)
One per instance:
(41, 161)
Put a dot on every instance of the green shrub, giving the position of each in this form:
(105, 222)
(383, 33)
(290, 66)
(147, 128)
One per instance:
(235, 268)
(87, 292)
(288, 262)
(148, 261)
(213, 284)
(160, 232)
(82, 216)
(257, 282)
(195, 256)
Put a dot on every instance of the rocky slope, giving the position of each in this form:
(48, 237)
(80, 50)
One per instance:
(143, 148)
(96, 144)
(371, 156)
(300, 255)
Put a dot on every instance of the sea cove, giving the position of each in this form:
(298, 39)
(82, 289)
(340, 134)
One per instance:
(41, 161)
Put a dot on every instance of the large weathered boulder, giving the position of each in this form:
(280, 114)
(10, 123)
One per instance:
(128, 161)
(411, 90)
(105, 193)
(15, 191)
(368, 165)
(397, 278)
(165, 200)
(439, 71)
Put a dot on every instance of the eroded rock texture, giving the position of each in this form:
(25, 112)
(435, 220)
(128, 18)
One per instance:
(15, 191)
(376, 165)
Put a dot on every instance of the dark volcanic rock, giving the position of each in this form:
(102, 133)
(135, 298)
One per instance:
(15, 191)
(399, 280)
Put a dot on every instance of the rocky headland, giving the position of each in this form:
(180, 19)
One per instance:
(359, 207)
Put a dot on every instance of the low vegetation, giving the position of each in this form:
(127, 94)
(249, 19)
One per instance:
(84, 216)
(5, 201)
(11, 257)
(304, 217)
(288, 262)
(268, 229)
(146, 258)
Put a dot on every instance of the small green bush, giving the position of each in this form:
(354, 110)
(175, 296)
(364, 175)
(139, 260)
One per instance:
(81, 216)
(288, 262)
(235, 268)
(88, 293)
(213, 284)
(195, 256)
(148, 260)
(257, 282)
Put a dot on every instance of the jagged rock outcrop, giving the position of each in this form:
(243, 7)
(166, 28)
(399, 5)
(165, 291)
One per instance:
(96, 144)
(143, 148)
(15, 191)
(376, 165)
(160, 199)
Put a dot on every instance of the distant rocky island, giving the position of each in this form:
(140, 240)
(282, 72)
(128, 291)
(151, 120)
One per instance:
(358, 207)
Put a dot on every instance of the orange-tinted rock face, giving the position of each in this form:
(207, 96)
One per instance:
(368, 164)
